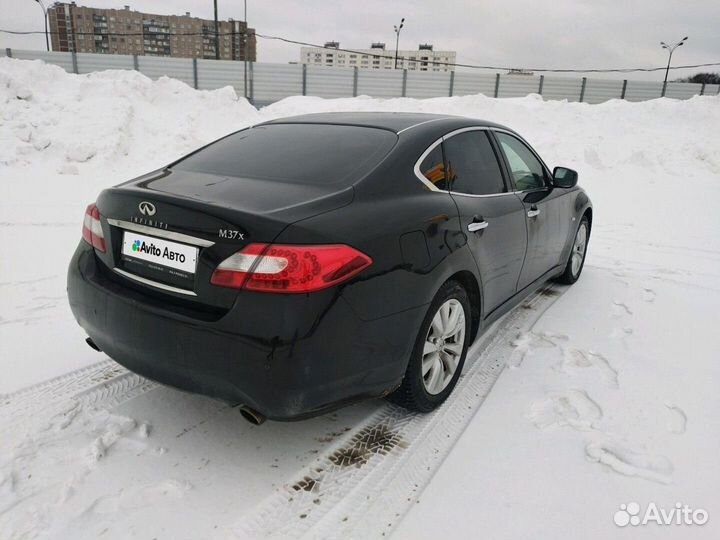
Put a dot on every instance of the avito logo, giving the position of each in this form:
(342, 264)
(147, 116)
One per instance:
(152, 249)
(681, 514)
(144, 247)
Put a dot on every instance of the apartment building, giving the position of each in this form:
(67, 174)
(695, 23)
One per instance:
(125, 31)
(425, 58)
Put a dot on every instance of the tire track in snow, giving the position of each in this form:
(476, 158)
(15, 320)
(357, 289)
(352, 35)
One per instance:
(364, 485)
(105, 382)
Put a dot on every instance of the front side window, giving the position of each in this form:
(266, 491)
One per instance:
(472, 166)
(433, 168)
(526, 169)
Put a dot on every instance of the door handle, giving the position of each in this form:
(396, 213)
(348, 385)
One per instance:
(476, 226)
(533, 212)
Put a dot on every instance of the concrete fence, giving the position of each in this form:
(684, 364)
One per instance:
(267, 83)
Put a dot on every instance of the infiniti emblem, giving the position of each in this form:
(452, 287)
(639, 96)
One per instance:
(147, 208)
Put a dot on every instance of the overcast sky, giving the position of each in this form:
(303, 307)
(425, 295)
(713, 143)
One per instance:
(519, 33)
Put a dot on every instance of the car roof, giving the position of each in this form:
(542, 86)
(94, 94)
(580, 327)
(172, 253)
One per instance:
(396, 122)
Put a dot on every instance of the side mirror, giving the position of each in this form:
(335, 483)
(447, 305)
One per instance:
(564, 177)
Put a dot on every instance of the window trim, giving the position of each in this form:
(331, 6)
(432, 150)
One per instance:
(502, 162)
(420, 175)
(424, 155)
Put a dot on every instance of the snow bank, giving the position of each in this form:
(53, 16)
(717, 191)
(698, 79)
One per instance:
(106, 118)
(111, 116)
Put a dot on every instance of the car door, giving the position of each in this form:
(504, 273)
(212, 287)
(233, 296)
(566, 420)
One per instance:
(491, 216)
(547, 226)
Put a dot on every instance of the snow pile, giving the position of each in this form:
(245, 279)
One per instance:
(106, 117)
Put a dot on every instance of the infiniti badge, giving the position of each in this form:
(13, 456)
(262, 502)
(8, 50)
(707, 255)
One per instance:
(147, 208)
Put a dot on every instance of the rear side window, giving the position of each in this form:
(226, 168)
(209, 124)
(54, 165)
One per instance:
(526, 169)
(298, 153)
(472, 165)
(433, 168)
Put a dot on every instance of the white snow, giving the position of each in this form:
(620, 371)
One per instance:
(611, 398)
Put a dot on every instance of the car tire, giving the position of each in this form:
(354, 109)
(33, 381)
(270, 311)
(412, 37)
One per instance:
(441, 343)
(576, 259)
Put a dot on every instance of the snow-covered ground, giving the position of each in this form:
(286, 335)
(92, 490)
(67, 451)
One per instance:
(610, 392)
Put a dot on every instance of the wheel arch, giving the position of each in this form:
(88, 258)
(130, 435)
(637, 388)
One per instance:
(472, 287)
(589, 213)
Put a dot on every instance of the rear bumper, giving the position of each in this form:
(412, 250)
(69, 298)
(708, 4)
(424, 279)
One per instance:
(287, 356)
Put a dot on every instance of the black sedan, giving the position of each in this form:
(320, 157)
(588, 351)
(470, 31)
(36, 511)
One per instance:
(309, 262)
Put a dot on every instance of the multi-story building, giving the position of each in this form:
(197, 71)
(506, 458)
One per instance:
(124, 31)
(377, 57)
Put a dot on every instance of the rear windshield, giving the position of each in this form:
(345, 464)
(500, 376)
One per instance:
(298, 153)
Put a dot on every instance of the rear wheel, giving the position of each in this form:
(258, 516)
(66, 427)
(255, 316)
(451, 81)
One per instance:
(439, 353)
(577, 255)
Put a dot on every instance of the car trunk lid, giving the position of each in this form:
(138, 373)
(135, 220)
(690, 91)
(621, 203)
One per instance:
(167, 231)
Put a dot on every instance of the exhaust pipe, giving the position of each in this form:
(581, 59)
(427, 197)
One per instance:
(92, 345)
(251, 415)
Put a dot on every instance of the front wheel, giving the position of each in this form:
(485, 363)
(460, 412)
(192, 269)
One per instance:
(439, 353)
(576, 261)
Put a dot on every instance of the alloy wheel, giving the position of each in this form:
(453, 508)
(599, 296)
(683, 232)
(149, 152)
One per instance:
(443, 346)
(578, 250)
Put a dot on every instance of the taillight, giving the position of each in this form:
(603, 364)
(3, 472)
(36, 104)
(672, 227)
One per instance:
(289, 268)
(92, 229)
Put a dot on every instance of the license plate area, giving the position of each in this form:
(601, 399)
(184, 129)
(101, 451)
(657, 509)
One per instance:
(160, 260)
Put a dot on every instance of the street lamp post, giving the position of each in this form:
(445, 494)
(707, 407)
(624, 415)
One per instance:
(44, 10)
(245, 51)
(671, 49)
(397, 38)
(217, 36)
